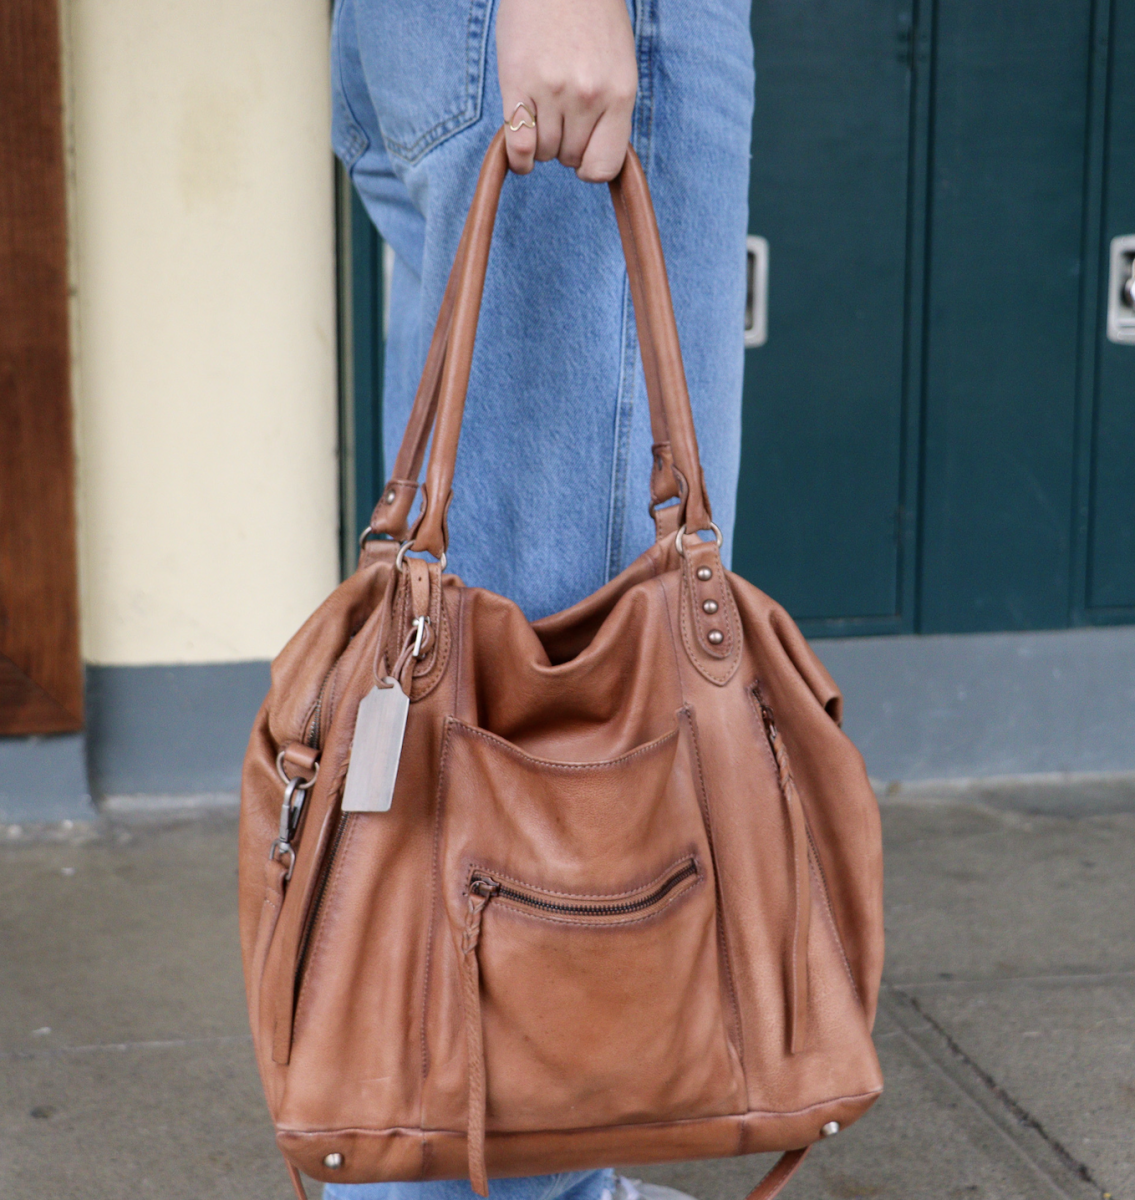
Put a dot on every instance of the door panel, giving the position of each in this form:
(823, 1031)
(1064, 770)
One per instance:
(1111, 564)
(41, 675)
(1010, 114)
(821, 464)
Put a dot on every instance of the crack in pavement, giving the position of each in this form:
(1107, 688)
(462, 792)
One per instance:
(121, 1047)
(1018, 1112)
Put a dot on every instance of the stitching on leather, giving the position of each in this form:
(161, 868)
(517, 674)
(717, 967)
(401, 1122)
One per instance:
(754, 693)
(685, 604)
(773, 1114)
(321, 932)
(435, 872)
(725, 613)
(604, 924)
(814, 856)
(439, 652)
(673, 639)
(435, 869)
(700, 622)
(499, 742)
(703, 802)
(683, 858)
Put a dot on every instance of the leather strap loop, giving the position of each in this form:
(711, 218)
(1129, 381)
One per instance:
(657, 336)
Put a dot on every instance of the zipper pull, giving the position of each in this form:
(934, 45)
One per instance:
(481, 891)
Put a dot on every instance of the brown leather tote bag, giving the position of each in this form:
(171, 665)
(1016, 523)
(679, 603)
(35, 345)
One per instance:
(626, 902)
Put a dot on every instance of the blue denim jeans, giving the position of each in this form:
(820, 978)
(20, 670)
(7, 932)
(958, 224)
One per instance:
(551, 489)
(572, 1185)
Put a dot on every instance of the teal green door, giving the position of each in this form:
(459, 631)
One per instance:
(938, 435)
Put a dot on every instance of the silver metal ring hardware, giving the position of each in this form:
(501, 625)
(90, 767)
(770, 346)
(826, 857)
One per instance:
(295, 793)
(682, 533)
(282, 848)
(419, 624)
(285, 778)
(400, 557)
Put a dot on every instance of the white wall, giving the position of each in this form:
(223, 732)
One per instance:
(204, 255)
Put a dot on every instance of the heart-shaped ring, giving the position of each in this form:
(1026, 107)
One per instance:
(530, 123)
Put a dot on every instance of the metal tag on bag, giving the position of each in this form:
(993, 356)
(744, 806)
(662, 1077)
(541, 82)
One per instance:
(376, 749)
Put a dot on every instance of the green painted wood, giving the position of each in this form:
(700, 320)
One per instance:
(1010, 97)
(360, 367)
(1090, 312)
(822, 449)
(1111, 562)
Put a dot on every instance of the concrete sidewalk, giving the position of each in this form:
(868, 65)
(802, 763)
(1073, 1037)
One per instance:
(1006, 1028)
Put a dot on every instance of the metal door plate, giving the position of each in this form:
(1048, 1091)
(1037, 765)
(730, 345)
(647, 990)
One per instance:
(1121, 291)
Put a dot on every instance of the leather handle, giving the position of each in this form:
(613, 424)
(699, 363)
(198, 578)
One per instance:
(392, 510)
(657, 334)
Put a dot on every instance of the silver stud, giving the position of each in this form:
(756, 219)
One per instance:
(334, 1160)
(710, 606)
(391, 496)
(704, 574)
(716, 637)
(830, 1129)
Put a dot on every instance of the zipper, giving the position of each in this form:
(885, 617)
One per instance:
(313, 730)
(484, 885)
(317, 903)
(313, 739)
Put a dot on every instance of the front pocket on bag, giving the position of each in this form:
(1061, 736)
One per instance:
(633, 905)
(599, 993)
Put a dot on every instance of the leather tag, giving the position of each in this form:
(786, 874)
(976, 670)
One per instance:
(375, 749)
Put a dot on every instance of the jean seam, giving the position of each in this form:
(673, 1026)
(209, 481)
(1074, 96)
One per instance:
(470, 111)
(641, 132)
(359, 141)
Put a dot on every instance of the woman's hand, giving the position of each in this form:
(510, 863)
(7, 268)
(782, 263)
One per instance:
(572, 62)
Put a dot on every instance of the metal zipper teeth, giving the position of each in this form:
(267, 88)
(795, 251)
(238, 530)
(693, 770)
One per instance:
(313, 729)
(317, 904)
(622, 908)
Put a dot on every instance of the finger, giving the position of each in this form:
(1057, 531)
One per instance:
(578, 126)
(549, 131)
(521, 141)
(607, 147)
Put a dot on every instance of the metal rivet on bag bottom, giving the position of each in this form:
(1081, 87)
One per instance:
(716, 637)
(710, 606)
(830, 1129)
(704, 573)
(334, 1160)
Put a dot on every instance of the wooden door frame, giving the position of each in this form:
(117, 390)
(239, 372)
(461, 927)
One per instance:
(41, 678)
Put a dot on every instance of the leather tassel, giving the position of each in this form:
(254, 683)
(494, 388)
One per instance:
(801, 886)
(471, 995)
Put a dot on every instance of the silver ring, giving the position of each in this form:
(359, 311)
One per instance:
(682, 533)
(280, 847)
(299, 778)
(400, 557)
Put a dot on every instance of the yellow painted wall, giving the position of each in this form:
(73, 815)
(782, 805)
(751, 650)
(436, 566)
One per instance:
(203, 235)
